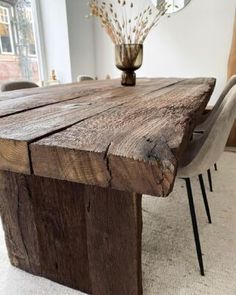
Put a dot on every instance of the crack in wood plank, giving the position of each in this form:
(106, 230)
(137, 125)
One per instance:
(20, 228)
(38, 115)
(138, 132)
(31, 102)
(108, 164)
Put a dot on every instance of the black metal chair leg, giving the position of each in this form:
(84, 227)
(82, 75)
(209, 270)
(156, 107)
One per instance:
(194, 224)
(205, 197)
(215, 166)
(210, 179)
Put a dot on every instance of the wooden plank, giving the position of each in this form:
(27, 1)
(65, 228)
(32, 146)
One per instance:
(18, 130)
(84, 237)
(132, 147)
(45, 228)
(43, 97)
(57, 89)
(48, 89)
(114, 232)
(15, 209)
(7, 95)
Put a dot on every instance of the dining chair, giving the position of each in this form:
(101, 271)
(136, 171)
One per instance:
(16, 85)
(82, 78)
(202, 152)
(208, 119)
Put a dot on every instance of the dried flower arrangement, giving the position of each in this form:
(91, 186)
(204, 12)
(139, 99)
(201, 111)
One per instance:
(128, 21)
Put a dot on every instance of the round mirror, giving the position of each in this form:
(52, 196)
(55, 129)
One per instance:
(174, 5)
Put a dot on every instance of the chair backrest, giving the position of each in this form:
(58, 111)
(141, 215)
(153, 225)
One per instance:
(205, 150)
(208, 119)
(84, 78)
(16, 85)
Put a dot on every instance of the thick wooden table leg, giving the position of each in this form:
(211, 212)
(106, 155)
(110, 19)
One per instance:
(114, 228)
(45, 228)
(84, 237)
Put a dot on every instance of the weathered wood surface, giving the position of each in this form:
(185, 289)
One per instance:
(123, 141)
(124, 138)
(45, 228)
(17, 131)
(86, 86)
(114, 231)
(48, 89)
(84, 237)
(26, 100)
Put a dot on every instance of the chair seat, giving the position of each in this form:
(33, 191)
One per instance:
(16, 85)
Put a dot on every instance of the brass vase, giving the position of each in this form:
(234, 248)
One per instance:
(129, 58)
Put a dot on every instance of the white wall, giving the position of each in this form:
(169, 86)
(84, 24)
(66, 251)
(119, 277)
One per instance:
(193, 42)
(69, 38)
(54, 20)
(81, 38)
(104, 54)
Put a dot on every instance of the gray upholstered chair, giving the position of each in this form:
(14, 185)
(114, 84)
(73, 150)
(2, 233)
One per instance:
(16, 85)
(82, 78)
(208, 119)
(203, 151)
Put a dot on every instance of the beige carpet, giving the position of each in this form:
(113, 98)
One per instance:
(169, 260)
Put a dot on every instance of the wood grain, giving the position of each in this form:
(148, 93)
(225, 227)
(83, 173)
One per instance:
(18, 130)
(118, 143)
(86, 86)
(84, 237)
(132, 147)
(24, 101)
(124, 138)
(114, 228)
(49, 89)
(45, 229)
(16, 208)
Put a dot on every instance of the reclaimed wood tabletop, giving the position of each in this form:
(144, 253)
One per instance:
(75, 160)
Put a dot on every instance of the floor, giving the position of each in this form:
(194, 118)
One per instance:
(169, 260)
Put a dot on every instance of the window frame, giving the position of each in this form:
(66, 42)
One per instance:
(8, 8)
(33, 28)
(38, 30)
(39, 39)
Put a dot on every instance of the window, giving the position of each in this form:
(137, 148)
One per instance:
(6, 41)
(32, 47)
(18, 50)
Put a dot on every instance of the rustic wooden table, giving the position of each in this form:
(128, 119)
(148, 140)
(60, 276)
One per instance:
(75, 161)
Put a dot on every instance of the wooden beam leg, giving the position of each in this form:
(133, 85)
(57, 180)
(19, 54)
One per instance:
(114, 228)
(84, 237)
(45, 228)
